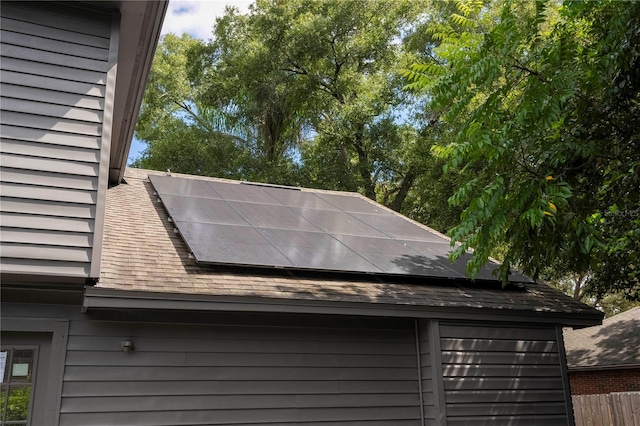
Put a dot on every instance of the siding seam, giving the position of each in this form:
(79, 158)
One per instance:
(565, 377)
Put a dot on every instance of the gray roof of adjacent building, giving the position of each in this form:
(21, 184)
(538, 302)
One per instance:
(145, 259)
(614, 344)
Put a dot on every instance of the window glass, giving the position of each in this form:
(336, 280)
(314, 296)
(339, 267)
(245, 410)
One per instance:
(17, 380)
(22, 365)
(3, 396)
(18, 403)
(4, 361)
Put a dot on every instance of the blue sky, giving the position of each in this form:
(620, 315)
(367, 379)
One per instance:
(195, 18)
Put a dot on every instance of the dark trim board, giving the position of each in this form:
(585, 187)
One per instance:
(565, 376)
(108, 299)
(433, 330)
(105, 149)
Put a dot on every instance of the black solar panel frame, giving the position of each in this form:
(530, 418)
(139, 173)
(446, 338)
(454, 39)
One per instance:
(352, 234)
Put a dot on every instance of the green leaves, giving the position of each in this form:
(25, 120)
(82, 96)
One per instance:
(536, 97)
(298, 92)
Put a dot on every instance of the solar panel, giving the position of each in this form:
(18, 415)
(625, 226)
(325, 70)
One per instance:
(396, 226)
(334, 222)
(318, 250)
(234, 223)
(243, 192)
(385, 253)
(272, 216)
(349, 203)
(184, 187)
(191, 209)
(231, 244)
(297, 198)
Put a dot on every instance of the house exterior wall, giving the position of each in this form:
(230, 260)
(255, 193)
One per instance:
(272, 370)
(503, 374)
(298, 369)
(591, 382)
(57, 70)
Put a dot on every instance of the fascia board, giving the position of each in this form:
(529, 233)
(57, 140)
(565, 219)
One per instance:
(96, 298)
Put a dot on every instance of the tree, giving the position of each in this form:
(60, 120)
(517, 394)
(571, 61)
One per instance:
(182, 133)
(546, 99)
(301, 92)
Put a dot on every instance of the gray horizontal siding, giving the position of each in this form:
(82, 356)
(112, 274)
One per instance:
(35, 236)
(50, 109)
(47, 83)
(48, 136)
(37, 56)
(235, 375)
(37, 163)
(39, 149)
(30, 208)
(77, 21)
(502, 375)
(54, 65)
(45, 252)
(43, 43)
(33, 192)
(65, 74)
(55, 124)
(44, 267)
(44, 29)
(45, 178)
(50, 223)
(51, 96)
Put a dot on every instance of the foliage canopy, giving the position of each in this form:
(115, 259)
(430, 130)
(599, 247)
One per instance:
(546, 99)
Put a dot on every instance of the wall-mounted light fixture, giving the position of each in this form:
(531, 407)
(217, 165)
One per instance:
(127, 346)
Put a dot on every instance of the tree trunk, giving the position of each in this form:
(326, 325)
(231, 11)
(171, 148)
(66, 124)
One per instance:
(405, 186)
(363, 165)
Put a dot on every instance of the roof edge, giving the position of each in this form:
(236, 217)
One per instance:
(602, 367)
(140, 32)
(96, 298)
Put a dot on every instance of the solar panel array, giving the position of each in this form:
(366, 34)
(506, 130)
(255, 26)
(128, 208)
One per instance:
(235, 223)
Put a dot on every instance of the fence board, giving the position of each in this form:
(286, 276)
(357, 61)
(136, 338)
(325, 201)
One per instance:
(614, 409)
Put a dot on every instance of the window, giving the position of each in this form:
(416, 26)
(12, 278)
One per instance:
(17, 366)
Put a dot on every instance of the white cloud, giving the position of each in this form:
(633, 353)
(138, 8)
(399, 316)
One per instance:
(197, 17)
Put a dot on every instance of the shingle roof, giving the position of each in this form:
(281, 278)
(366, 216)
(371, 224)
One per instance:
(141, 252)
(615, 343)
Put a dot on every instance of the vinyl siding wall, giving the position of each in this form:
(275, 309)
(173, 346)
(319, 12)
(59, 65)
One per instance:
(297, 370)
(293, 372)
(502, 376)
(53, 73)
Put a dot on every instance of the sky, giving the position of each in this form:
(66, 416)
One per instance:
(195, 18)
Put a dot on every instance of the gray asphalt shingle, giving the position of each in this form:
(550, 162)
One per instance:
(142, 252)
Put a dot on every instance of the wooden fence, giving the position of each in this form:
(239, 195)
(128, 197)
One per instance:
(613, 409)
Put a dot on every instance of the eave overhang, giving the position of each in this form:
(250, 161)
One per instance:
(140, 25)
(96, 299)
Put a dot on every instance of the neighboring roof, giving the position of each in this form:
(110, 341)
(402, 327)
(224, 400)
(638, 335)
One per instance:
(615, 343)
(143, 258)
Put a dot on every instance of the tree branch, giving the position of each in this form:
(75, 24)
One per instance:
(531, 72)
